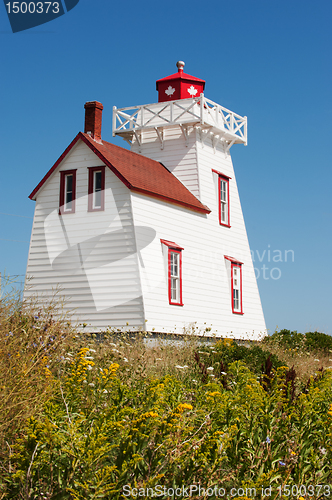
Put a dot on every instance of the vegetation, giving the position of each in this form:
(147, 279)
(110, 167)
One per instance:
(86, 418)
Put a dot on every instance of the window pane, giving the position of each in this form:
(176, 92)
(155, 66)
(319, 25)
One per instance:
(174, 289)
(69, 181)
(223, 191)
(97, 181)
(236, 299)
(97, 203)
(236, 278)
(223, 212)
(174, 264)
(69, 199)
(69, 191)
(97, 189)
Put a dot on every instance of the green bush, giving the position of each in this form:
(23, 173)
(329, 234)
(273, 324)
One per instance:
(316, 341)
(286, 339)
(310, 341)
(226, 351)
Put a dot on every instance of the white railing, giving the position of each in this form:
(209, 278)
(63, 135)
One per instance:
(199, 110)
(223, 118)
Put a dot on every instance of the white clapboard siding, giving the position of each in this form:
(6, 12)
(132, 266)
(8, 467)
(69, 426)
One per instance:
(206, 283)
(181, 161)
(90, 256)
(110, 266)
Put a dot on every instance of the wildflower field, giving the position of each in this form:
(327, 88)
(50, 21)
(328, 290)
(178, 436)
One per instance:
(85, 417)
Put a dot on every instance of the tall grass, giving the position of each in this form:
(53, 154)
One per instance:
(33, 341)
(85, 416)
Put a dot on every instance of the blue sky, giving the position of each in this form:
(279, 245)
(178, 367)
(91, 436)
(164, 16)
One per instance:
(265, 59)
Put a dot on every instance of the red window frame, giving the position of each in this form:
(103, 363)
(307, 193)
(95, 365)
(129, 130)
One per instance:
(235, 264)
(173, 248)
(226, 179)
(62, 197)
(91, 189)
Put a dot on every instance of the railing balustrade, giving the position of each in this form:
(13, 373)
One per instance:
(198, 110)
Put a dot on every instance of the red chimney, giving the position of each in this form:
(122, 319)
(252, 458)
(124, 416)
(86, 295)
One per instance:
(93, 116)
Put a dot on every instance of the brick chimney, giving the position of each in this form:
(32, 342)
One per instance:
(93, 117)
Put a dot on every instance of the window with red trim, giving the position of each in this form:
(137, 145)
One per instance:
(174, 272)
(236, 284)
(96, 189)
(236, 276)
(223, 199)
(174, 276)
(67, 191)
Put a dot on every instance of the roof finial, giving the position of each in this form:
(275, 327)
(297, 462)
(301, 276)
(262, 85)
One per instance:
(180, 65)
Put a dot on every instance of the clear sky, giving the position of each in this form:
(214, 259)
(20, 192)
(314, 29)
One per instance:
(266, 59)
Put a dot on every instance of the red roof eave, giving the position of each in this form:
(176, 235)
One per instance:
(171, 244)
(81, 136)
(180, 76)
(231, 259)
(203, 208)
(56, 164)
(102, 158)
(185, 193)
(199, 207)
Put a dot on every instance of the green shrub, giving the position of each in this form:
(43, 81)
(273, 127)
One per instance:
(310, 341)
(286, 339)
(226, 351)
(316, 341)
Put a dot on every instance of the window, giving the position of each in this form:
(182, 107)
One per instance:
(174, 276)
(96, 189)
(174, 272)
(67, 191)
(223, 194)
(237, 278)
(236, 285)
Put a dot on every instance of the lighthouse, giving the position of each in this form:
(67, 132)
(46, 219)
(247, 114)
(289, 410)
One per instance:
(153, 237)
(192, 137)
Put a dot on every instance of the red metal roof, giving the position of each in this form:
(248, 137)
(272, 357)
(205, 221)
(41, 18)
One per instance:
(235, 261)
(171, 244)
(137, 172)
(180, 76)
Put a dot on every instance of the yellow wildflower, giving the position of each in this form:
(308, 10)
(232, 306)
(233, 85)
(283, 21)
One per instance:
(149, 414)
(184, 406)
(214, 394)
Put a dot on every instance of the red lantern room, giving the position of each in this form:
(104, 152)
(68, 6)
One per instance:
(179, 86)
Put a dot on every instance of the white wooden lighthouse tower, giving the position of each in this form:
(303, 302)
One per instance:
(152, 238)
(205, 257)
